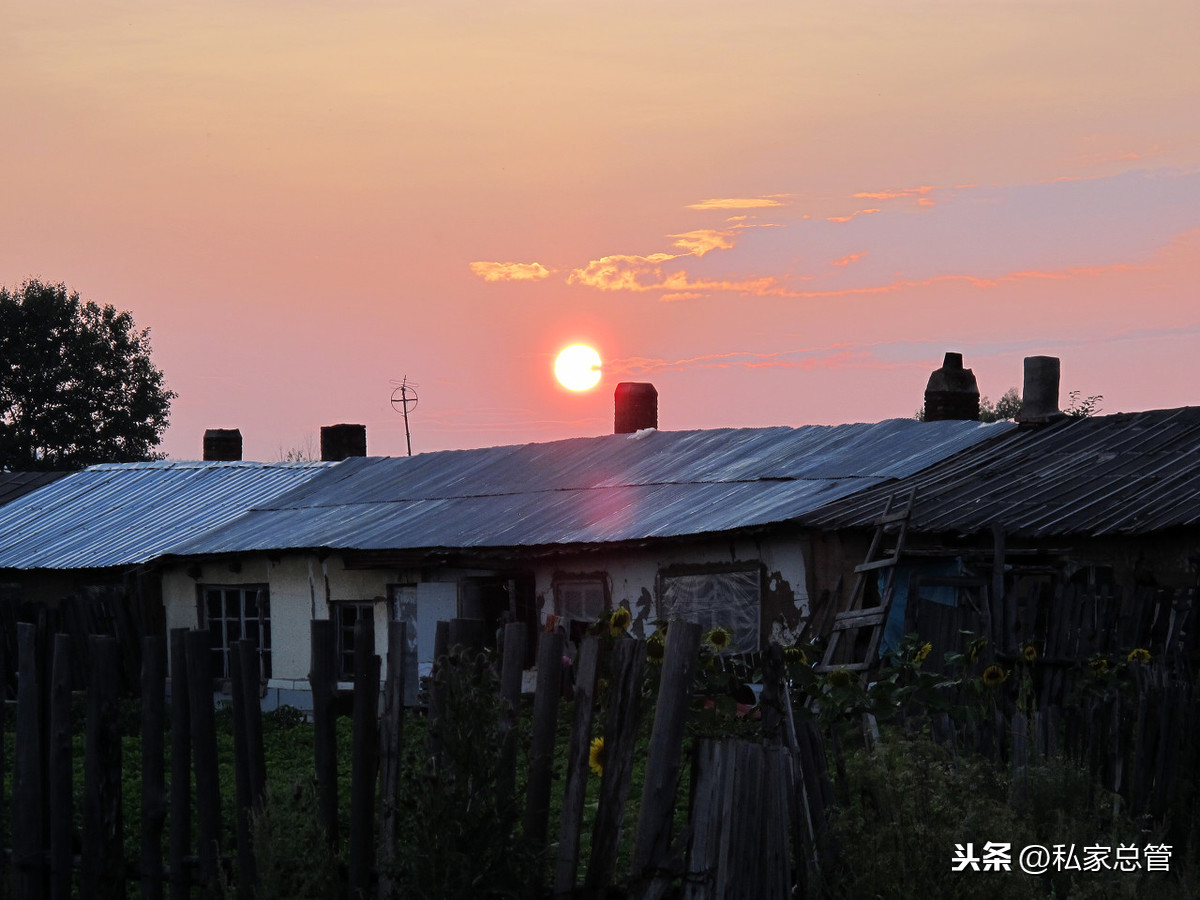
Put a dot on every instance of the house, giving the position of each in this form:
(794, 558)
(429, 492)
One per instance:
(700, 524)
(77, 552)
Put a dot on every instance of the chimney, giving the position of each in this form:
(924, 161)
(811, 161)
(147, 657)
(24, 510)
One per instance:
(636, 406)
(1039, 397)
(952, 392)
(222, 445)
(341, 441)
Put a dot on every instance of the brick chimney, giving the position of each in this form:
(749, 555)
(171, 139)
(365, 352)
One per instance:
(636, 406)
(952, 392)
(222, 445)
(341, 441)
(1039, 396)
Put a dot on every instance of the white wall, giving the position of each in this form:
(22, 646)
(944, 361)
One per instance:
(302, 586)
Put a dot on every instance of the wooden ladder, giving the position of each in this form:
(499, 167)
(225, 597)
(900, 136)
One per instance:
(895, 517)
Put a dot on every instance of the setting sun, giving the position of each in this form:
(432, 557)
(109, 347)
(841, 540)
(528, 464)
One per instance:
(578, 367)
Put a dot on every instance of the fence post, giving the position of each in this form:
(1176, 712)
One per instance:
(322, 677)
(541, 751)
(181, 767)
(653, 844)
(61, 781)
(620, 733)
(392, 745)
(103, 832)
(204, 754)
(154, 798)
(512, 668)
(566, 868)
(364, 754)
(247, 874)
(27, 806)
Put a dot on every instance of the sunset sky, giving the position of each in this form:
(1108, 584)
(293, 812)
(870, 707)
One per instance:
(778, 213)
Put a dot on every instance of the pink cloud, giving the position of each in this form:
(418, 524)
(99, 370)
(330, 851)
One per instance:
(848, 259)
(509, 271)
(894, 195)
(697, 243)
(857, 212)
(736, 203)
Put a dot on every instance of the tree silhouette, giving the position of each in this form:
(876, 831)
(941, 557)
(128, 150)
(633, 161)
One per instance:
(77, 385)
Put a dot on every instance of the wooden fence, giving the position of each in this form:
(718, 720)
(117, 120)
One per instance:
(732, 845)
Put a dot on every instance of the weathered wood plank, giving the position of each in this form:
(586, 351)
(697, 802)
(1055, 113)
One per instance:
(154, 796)
(103, 830)
(180, 839)
(365, 757)
(566, 869)
(541, 751)
(652, 846)
(27, 821)
(391, 743)
(61, 780)
(620, 733)
(204, 755)
(512, 668)
(322, 678)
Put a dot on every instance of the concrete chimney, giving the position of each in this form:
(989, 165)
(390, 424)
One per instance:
(1039, 397)
(952, 392)
(222, 445)
(636, 405)
(341, 441)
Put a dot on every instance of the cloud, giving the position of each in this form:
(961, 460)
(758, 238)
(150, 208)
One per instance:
(895, 195)
(847, 259)
(833, 356)
(736, 203)
(857, 212)
(509, 271)
(697, 243)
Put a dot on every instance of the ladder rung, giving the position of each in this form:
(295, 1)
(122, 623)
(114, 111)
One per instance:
(892, 517)
(877, 564)
(849, 667)
(859, 618)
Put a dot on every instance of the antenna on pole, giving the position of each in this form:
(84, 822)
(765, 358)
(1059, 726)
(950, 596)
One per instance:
(404, 398)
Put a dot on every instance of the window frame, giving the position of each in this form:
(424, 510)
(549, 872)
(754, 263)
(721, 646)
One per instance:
(753, 567)
(261, 620)
(345, 633)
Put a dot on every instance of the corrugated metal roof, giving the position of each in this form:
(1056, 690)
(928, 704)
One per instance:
(590, 490)
(18, 484)
(1129, 473)
(123, 514)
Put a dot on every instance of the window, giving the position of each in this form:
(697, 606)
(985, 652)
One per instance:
(233, 613)
(579, 601)
(345, 617)
(729, 599)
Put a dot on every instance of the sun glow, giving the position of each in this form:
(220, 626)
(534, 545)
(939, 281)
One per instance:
(578, 367)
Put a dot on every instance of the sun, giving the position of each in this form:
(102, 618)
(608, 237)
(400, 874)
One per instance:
(578, 367)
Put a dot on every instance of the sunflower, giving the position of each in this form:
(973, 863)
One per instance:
(1098, 665)
(1140, 655)
(839, 678)
(620, 621)
(925, 650)
(596, 756)
(719, 639)
(795, 655)
(1029, 652)
(994, 675)
(656, 648)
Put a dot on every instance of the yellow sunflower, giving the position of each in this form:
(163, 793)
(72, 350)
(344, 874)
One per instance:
(1098, 665)
(620, 621)
(994, 675)
(1029, 652)
(925, 650)
(719, 639)
(1140, 655)
(795, 655)
(596, 756)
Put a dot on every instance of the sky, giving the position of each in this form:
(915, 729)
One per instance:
(779, 213)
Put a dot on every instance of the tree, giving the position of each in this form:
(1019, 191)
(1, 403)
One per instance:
(77, 385)
(1007, 407)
